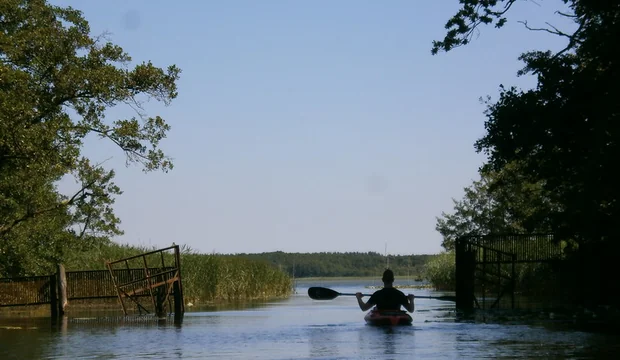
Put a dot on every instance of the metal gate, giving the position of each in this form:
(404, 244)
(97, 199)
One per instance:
(508, 271)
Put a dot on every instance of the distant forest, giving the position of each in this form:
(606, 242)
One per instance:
(332, 264)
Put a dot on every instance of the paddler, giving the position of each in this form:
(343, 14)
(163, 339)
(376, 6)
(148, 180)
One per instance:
(388, 298)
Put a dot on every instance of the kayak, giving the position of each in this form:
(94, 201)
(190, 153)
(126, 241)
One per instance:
(388, 317)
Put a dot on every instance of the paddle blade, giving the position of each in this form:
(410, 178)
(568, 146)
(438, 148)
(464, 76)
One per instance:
(444, 298)
(321, 293)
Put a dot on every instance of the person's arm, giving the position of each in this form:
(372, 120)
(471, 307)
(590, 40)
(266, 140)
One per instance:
(410, 305)
(363, 305)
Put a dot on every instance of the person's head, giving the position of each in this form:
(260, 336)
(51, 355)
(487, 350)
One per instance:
(388, 276)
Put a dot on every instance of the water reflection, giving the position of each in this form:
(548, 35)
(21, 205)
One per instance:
(19, 335)
(321, 342)
(388, 342)
(394, 342)
(231, 306)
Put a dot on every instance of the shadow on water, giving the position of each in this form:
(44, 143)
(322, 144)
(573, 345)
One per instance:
(85, 318)
(65, 323)
(551, 320)
(36, 338)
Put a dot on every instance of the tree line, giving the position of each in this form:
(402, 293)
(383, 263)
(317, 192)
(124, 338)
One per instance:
(336, 264)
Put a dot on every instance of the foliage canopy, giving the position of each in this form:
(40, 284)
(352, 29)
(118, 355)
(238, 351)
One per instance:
(563, 133)
(56, 83)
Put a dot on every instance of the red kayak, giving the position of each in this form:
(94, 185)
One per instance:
(388, 317)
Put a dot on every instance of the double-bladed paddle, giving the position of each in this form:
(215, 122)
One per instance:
(321, 293)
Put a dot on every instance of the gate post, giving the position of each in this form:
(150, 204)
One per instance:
(179, 302)
(62, 289)
(465, 268)
(177, 289)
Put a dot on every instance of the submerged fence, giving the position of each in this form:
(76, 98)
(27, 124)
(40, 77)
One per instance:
(516, 271)
(159, 283)
(80, 285)
(24, 291)
(99, 284)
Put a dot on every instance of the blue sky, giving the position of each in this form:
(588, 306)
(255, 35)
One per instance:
(308, 126)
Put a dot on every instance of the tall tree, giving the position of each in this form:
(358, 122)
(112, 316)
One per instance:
(500, 202)
(476, 213)
(565, 132)
(56, 83)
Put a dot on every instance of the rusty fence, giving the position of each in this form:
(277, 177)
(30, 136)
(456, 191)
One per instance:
(99, 284)
(159, 283)
(516, 271)
(25, 291)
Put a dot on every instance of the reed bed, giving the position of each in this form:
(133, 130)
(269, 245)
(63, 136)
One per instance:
(207, 278)
(216, 279)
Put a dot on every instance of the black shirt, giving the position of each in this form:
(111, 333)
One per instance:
(388, 299)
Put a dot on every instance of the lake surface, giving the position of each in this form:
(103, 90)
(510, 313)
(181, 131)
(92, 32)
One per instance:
(299, 328)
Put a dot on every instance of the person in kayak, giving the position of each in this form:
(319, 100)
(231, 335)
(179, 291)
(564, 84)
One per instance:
(388, 298)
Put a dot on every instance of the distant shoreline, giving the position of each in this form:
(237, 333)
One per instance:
(400, 282)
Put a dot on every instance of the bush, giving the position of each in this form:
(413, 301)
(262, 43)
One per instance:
(440, 271)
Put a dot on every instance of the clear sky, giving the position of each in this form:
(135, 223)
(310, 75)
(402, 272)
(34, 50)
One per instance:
(309, 126)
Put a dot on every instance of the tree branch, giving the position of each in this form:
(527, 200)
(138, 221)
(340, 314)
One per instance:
(478, 20)
(572, 38)
(105, 133)
(58, 102)
(572, 16)
(506, 8)
(555, 30)
(80, 195)
(86, 223)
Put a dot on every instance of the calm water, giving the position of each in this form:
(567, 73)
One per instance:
(300, 328)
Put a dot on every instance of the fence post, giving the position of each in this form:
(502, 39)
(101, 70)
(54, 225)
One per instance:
(178, 285)
(179, 306)
(62, 289)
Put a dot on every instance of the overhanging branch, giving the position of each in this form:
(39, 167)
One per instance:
(573, 39)
(553, 30)
(78, 196)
